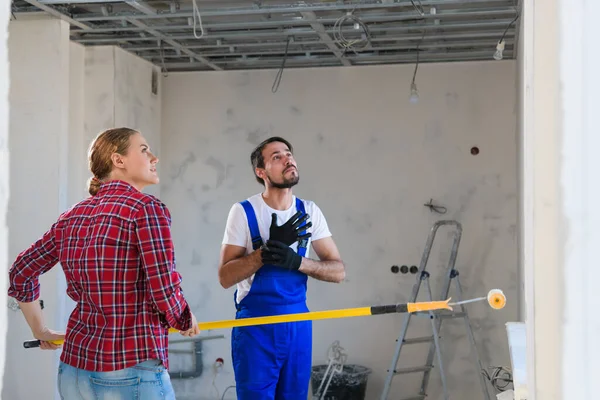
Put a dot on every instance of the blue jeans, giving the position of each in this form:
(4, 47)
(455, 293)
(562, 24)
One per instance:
(148, 380)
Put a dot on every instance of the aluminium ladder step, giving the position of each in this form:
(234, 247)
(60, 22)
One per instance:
(424, 339)
(411, 370)
(440, 315)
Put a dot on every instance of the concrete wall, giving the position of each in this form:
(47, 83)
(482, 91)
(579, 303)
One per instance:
(38, 143)
(53, 117)
(370, 160)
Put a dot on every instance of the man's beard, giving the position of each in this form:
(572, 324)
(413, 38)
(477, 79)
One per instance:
(287, 183)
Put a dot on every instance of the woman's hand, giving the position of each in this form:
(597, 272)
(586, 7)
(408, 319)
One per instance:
(45, 336)
(194, 330)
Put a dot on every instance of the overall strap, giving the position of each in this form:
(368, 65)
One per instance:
(252, 224)
(304, 242)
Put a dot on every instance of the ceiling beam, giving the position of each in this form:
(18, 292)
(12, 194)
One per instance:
(490, 44)
(58, 14)
(325, 38)
(404, 28)
(298, 32)
(404, 37)
(142, 7)
(390, 17)
(148, 10)
(175, 44)
(322, 7)
(310, 61)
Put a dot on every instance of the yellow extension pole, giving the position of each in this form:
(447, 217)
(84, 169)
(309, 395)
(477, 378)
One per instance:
(313, 315)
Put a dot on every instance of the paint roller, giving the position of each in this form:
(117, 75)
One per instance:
(495, 298)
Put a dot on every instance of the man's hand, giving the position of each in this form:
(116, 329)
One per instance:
(45, 336)
(194, 330)
(281, 255)
(289, 232)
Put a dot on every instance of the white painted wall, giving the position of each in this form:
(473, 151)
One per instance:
(521, 88)
(370, 160)
(78, 176)
(53, 118)
(135, 104)
(578, 143)
(4, 175)
(118, 92)
(77, 173)
(39, 133)
(560, 141)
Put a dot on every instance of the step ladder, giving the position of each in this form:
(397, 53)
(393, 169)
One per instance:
(451, 275)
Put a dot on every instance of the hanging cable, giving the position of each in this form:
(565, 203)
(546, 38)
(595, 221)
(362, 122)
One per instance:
(509, 25)
(226, 389)
(12, 9)
(498, 54)
(163, 67)
(196, 14)
(351, 44)
(414, 93)
(280, 72)
(418, 52)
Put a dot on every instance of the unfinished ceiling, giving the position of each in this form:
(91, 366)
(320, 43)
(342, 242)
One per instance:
(195, 35)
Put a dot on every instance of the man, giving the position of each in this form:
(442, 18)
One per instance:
(265, 253)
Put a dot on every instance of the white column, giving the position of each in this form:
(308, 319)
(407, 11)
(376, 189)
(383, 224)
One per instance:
(542, 225)
(39, 132)
(560, 187)
(579, 168)
(4, 175)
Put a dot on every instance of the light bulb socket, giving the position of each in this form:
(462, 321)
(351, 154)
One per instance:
(498, 55)
(414, 93)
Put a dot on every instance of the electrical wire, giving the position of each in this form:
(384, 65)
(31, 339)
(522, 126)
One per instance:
(196, 13)
(418, 52)
(509, 25)
(437, 209)
(277, 81)
(12, 9)
(500, 378)
(343, 41)
(225, 391)
(162, 60)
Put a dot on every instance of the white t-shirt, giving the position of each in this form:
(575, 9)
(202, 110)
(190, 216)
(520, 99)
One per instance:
(237, 231)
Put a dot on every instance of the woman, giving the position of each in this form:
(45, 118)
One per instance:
(116, 251)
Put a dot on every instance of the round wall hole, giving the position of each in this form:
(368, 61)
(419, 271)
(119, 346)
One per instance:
(395, 269)
(475, 150)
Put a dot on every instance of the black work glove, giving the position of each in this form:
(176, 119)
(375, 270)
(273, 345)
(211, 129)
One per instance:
(281, 255)
(289, 232)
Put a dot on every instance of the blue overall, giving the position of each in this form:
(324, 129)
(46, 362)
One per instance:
(272, 361)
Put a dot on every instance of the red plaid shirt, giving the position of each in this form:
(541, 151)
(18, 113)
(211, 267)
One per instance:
(116, 251)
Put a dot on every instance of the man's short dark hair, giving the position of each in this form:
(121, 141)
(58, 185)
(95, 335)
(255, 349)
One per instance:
(257, 159)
